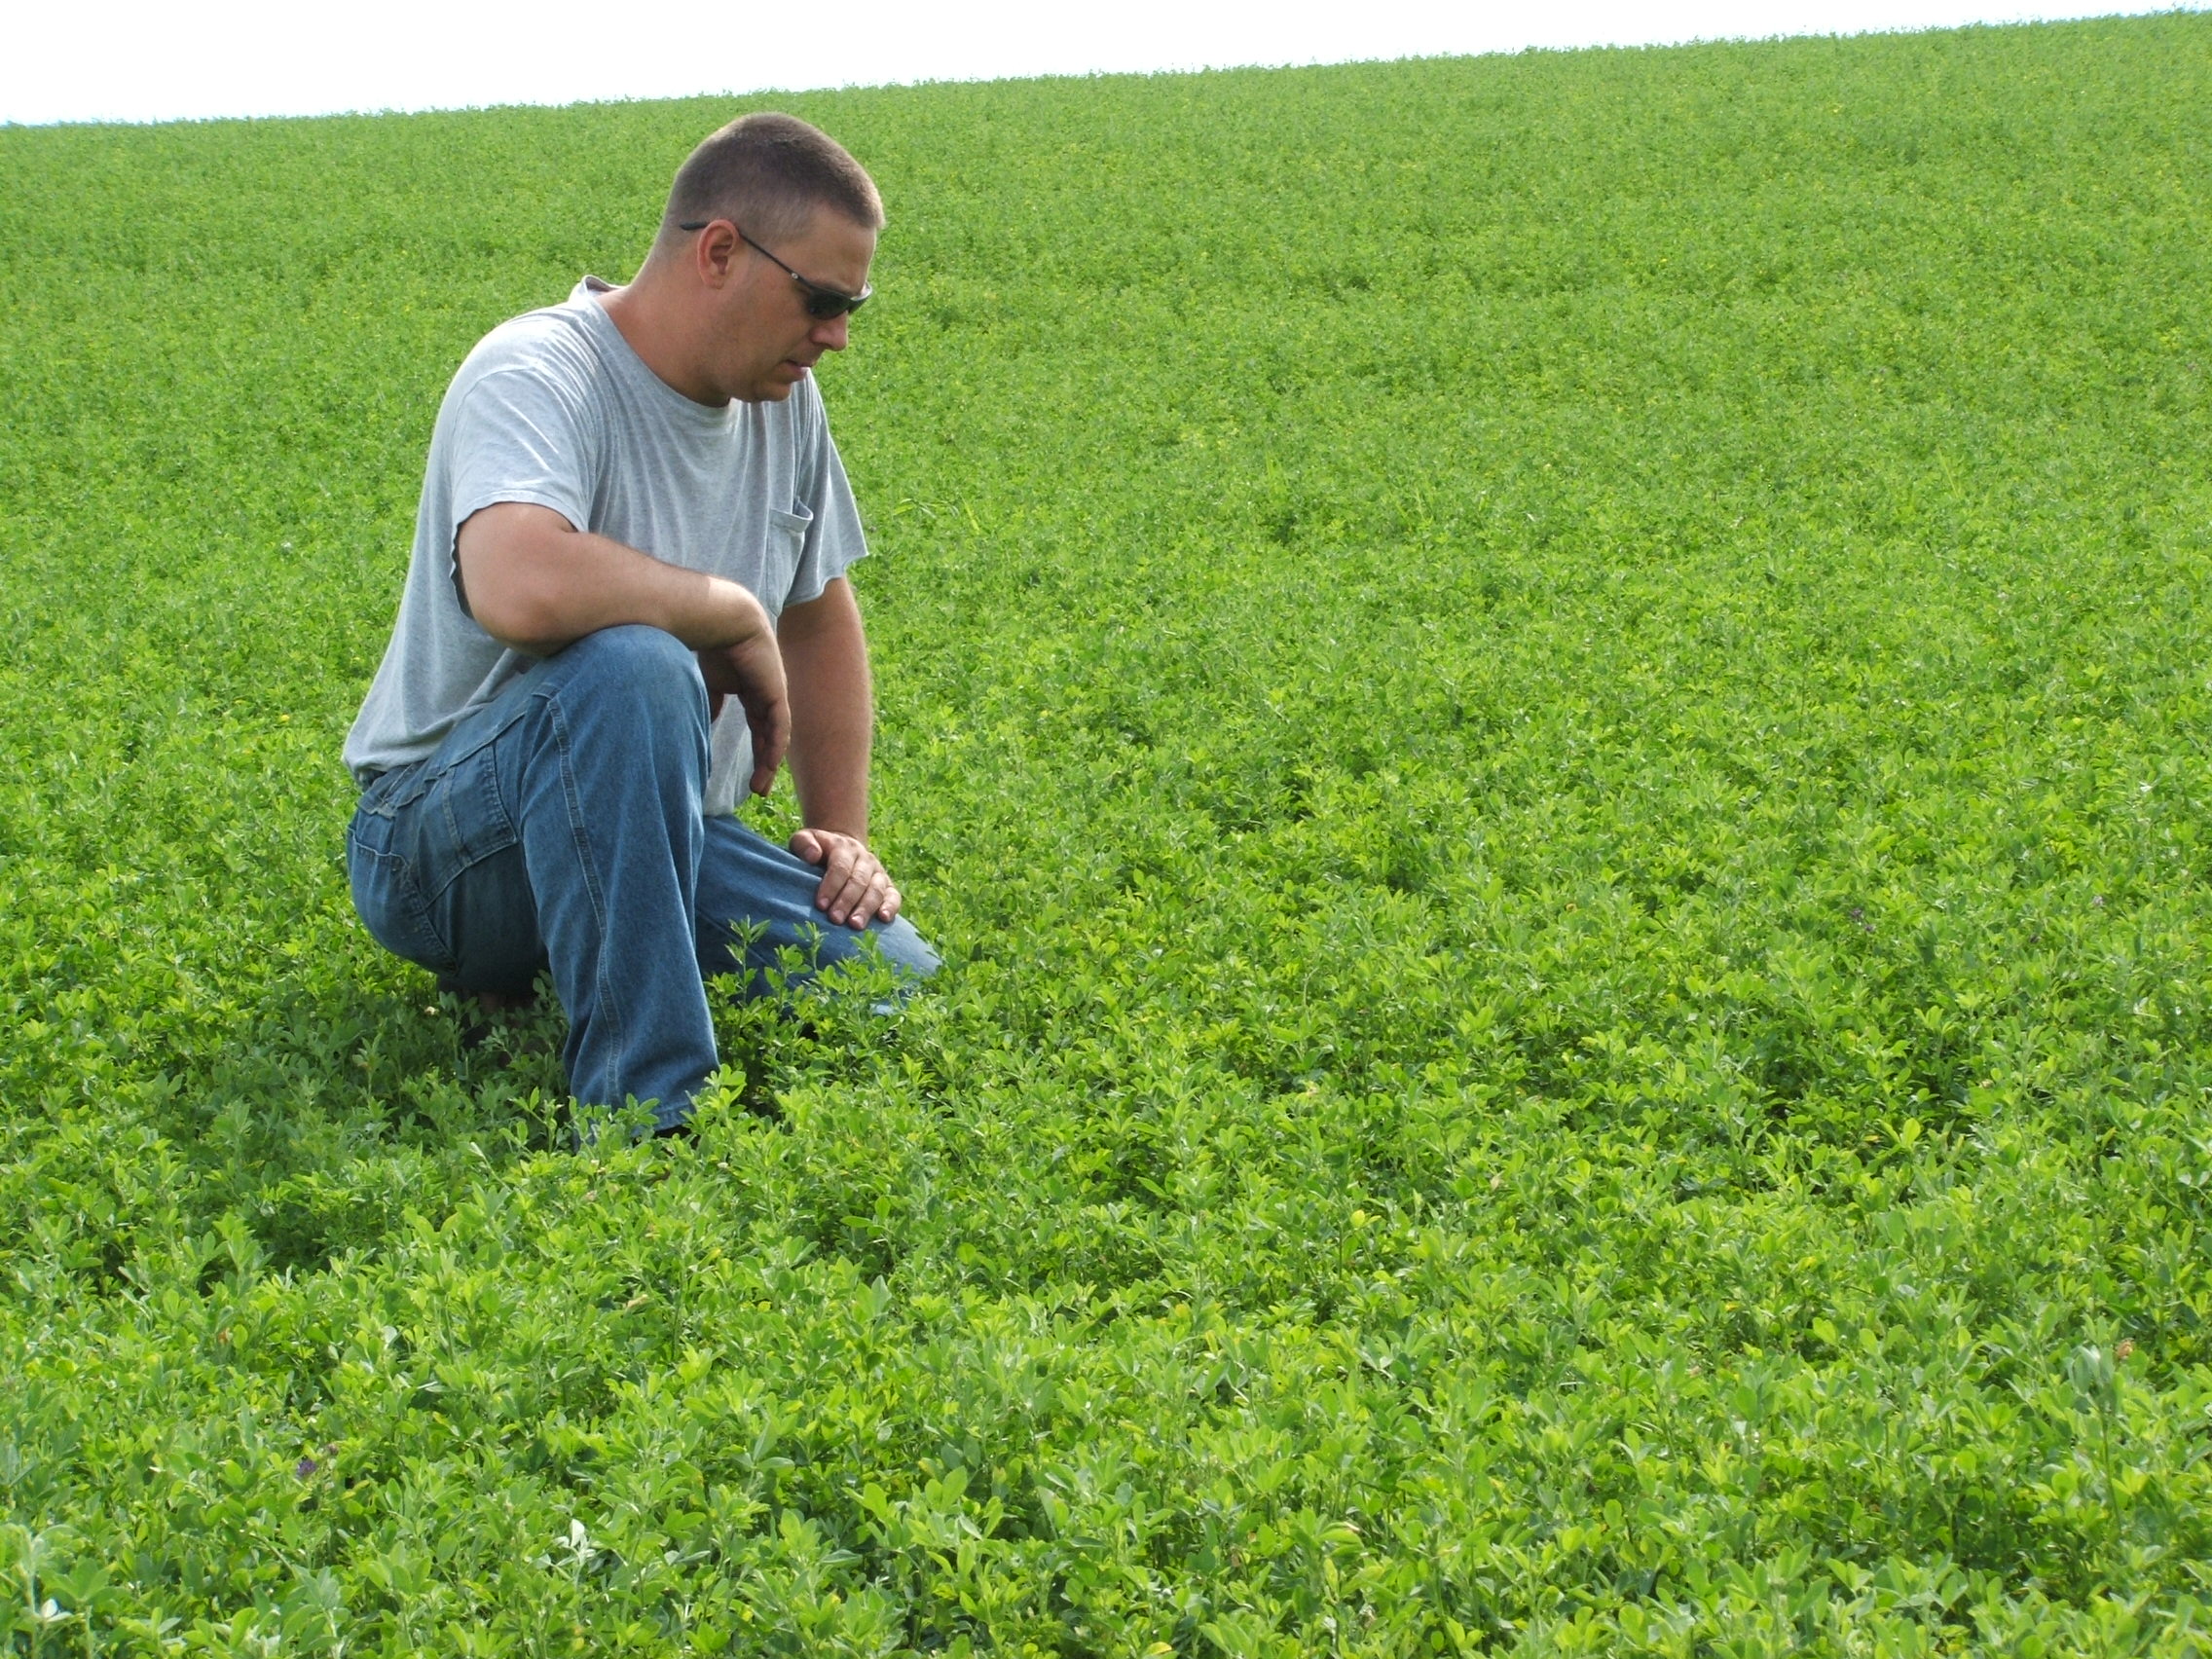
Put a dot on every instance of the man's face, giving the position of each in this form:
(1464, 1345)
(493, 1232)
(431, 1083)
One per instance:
(766, 343)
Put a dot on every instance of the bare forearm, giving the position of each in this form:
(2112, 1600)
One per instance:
(832, 713)
(828, 758)
(534, 583)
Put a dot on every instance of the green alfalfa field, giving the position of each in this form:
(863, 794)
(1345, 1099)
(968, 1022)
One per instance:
(1555, 713)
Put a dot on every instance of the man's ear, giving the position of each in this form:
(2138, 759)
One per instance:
(715, 253)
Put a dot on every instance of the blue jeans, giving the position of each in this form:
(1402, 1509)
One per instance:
(560, 826)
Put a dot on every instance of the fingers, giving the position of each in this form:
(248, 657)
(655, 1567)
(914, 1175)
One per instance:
(844, 882)
(770, 722)
(753, 669)
(869, 908)
(855, 890)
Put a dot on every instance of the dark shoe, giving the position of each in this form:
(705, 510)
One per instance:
(480, 1009)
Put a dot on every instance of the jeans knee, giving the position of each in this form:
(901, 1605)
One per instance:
(634, 662)
(764, 956)
(904, 948)
(628, 710)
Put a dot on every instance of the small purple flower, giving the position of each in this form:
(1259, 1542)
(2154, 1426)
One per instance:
(306, 1467)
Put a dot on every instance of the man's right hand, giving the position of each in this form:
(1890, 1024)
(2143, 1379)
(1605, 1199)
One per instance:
(752, 672)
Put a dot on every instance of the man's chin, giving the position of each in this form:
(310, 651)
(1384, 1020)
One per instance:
(775, 384)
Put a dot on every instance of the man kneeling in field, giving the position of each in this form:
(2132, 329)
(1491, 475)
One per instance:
(627, 599)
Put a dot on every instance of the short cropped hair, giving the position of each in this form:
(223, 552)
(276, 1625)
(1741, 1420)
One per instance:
(769, 172)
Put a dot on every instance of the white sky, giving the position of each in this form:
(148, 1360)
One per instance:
(158, 60)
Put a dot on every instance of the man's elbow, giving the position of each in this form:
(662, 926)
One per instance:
(533, 632)
(513, 615)
(513, 599)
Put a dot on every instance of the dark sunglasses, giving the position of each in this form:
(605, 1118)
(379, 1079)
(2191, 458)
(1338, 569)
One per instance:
(821, 304)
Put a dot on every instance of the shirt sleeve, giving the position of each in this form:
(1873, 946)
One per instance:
(833, 539)
(521, 435)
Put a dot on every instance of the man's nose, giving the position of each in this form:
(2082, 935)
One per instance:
(833, 335)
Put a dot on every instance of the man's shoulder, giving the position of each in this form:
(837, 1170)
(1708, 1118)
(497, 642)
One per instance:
(554, 343)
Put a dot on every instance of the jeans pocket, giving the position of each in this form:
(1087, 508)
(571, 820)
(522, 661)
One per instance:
(388, 792)
(390, 904)
(461, 820)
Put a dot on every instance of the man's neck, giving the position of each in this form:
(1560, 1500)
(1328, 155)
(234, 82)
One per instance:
(643, 314)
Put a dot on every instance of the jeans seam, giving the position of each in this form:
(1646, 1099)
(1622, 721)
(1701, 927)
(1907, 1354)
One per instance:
(608, 999)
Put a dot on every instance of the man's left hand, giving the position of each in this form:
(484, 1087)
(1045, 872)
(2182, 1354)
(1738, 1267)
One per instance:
(855, 890)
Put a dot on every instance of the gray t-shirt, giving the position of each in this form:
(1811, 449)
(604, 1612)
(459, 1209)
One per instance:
(555, 408)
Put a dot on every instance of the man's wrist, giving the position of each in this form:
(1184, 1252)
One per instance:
(740, 616)
(714, 618)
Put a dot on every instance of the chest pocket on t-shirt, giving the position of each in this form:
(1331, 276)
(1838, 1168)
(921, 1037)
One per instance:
(786, 543)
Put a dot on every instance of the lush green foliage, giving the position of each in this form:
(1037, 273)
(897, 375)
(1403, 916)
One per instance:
(1553, 714)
